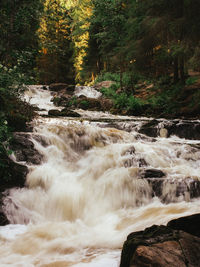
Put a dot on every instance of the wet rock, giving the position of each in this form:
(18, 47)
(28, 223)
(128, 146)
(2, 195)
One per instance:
(3, 219)
(185, 129)
(181, 128)
(152, 173)
(160, 246)
(187, 189)
(150, 128)
(63, 113)
(62, 88)
(61, 100)
(12, 175)
(157, 186)
(45, 87)
(69, 113)
(24, 149)
(54, 112)
(89, 103)
(57, 86)
(189, 224)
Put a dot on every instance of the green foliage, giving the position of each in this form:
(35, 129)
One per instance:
(19, 22)
(191, 80)
(109, 92)
(108, 76)
(129, 103)
(166, 99)
(84, 104)
(73, 101)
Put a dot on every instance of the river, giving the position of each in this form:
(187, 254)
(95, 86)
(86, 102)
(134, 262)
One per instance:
(89, 192)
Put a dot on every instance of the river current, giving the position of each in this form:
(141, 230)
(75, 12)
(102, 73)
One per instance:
(89, 192)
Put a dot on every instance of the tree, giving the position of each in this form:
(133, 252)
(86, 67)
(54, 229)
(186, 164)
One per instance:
(55, 62)
(19, 21)
(107, 28)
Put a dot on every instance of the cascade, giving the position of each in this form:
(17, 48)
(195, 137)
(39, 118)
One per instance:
(100, 178)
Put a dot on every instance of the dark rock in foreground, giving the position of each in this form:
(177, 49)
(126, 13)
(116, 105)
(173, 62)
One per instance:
(12, 175)
(189, 224)
(24, 149)
(161, 246)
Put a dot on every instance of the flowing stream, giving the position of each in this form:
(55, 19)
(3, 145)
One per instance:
(89, 192)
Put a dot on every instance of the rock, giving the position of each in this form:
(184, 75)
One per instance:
(62, 88)
(181, 128)
(185, 129)
(45, 87)
(160, 246)
(57, 86)
(24, 149)
(189, 188)
(106, 104)
(152, 173)
(105, 84)
(12, 175)
(3, 219)
(54, 112)
(61, 99)
(87, 103)
(69, 113)
(150, 128)
(63, 113)
(189, 224)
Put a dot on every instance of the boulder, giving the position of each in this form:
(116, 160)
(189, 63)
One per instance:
(150, 128)
(152, 173)
(106, 104)
(189, 224)
(24, 149)
(69, 113)
(57, 86)
(61, 99)
(87, 103)
(189, 188)
(160, 246)
(62, 87)
(54, 112)
(12, 175)
(63, 113)
(181, 128)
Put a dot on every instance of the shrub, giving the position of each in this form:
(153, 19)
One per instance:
(191, 80)
(84, 104)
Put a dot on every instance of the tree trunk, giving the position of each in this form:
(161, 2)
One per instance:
(181, 69)
(175, 70)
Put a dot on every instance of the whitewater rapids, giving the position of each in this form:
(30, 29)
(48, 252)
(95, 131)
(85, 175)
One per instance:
(87, 195)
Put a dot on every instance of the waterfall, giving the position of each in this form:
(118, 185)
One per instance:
(93, 187)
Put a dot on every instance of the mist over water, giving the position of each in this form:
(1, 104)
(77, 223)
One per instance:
(88, 194)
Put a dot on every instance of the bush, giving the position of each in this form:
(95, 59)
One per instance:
(191, 80)
(84, 104)
(109, 92)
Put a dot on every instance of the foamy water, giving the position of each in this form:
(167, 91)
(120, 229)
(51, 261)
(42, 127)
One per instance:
(87, 195)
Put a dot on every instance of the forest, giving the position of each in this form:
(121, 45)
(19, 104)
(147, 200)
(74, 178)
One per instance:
(149, 49)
